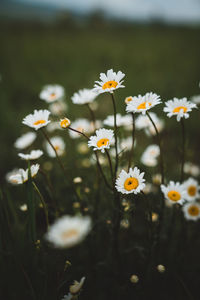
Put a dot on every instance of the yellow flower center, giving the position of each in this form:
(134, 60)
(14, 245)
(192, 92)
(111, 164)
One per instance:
(174, 196)
(143, 105)
(64, 123)
(39, 122)
(177, 109)
(193, 210)
(128, 99)
(102, 142)
(53, 95)
(69, 234)
(56, 147)
(192, 190)
(131, 183)
(110, 84)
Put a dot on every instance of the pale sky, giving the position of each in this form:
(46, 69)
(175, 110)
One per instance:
(171, 10)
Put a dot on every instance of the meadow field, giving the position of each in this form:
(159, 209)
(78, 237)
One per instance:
(155, 58)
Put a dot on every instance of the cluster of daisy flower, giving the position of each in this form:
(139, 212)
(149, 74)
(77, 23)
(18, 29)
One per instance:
(68, 231)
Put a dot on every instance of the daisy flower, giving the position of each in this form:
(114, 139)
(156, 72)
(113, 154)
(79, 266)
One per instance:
(34, 154)
(191, 169)
(84, 96)
(64, 123)
(174, 192)
(149, 156)
(58, 144)
(109, 82)
(143, 122)
(53, 126)
(68, 231)
(192, 189)
(21, 175)
(128, 99)
(102, 139)
(25, 140)
(131, 182)
(69, 296)
(191, 211)
(38, 119)
(58, 108)
(120, 120)
(82, 125)
(51, 93)
(141, 104)
(179, 108)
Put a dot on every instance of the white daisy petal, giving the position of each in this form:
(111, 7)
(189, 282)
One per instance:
(68, 231)
(102, 140)
(174, 192)
(38, 119)
(179, 108)
(51, 93)
(141, 104)
(109, 82)
(84, 96)
(131, 182)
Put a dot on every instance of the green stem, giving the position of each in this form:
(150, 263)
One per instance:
(58, 159)
(91, 114)
(183, 149)
(115, 133)
(111, 168)
(43, 204)
(159, 145)
(133, 140)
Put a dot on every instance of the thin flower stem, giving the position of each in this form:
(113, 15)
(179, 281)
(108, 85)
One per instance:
(183, 150)
(149, 213)
(97, 158)
(80, 132)
(133, 141)
(101, 171)
(110, 165)
(43, 203)
(91, 114)
(115, 133)
(159, 144)
(58, 159)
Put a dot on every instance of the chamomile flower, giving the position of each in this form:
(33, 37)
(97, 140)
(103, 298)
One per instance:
(34, 154)
(21, 175)
(141, 104)
(58, 144)
(191, 211)
(128, 99)
(109, 82)
(191, 169)
(143, 122)
(53, 126)
(102, 140)
(84, 96)
(179, 108)
(25, 140)
(51, 93)
(64, 123)
(68, 231)
(120, 120)
(58, 108)
(131, 182)
(82, 125)
(149, 156)
(174, 192)
(69, 296)
(38, 119)
(192, 189)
